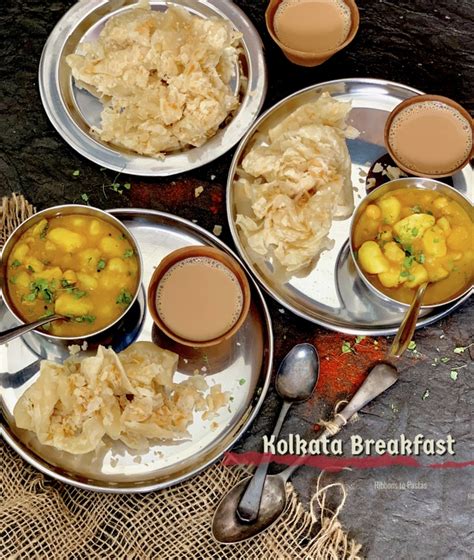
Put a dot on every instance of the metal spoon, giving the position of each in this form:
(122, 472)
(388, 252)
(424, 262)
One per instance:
(14, 332)
(408, 325)
(295, 382)
(226, 526)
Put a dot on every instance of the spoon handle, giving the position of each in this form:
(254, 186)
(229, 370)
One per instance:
(249, 504)
(379, 379)
(14, 332)
(407, 328)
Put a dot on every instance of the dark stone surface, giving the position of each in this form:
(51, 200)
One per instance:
(427, 44)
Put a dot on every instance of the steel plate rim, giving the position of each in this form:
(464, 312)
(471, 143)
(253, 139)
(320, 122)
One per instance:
(57, 114)
(423, 322)
(42, 465)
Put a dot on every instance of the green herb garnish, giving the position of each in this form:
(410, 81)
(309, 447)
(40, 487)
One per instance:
(128, 253)
(420, 258)
(412, 345)
(408, 261)
(124, 298)
(242, 381)
(83, 318)
(16, 263)
(76, 173)
(346, 347)
(100, 264)
(414, 231)
(30, 268)
(44, 231)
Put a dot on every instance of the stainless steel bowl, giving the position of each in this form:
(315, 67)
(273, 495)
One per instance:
(68, 209)
(420, 184)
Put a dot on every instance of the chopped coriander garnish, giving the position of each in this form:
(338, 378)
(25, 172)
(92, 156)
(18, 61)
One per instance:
(85, 197)
(44, 288)
(124, 298)
(100, 264)
(408, 250)
(242, 381)
(47, 314)
(359, 339)
(30, 297)
(78, 294)
(83, 318)
(127, 186)
(404, 274)
(346, 347)
(16, 263)
(414, 231)
(128, 253)
(30, 268)
(420, 258)
(412, 345)
(44, 231)
(76, 173)
(408, 261)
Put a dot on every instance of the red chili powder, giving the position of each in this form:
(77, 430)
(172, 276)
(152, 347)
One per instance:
(342, 373)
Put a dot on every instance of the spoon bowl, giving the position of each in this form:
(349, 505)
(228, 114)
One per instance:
(227, 528)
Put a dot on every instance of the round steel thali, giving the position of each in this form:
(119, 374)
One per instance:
(332, 294)
(73, 111)
(242, 365)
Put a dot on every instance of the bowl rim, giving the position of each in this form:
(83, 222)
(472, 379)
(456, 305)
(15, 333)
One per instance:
(419, 183)
(198, 251)
(53, 211)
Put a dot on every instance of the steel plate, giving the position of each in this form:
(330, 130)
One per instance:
(332, 294)
(241, 365)
(72, 111)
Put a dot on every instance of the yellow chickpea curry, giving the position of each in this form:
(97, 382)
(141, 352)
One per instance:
(78, 266)
(411, 236)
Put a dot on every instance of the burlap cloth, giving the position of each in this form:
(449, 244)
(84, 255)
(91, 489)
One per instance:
(43, 518)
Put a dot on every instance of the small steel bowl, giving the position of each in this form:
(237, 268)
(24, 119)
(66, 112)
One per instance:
(67, 209)
(421, 184)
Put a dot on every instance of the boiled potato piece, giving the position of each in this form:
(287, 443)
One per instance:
(49, 274)
(67, 304)
(111, 247)
(413, 227)
(391, 278)
(373, 212)
(391, 208)
(33, 264)
(70, 276)
(444, 224)
(440, 202)
(88, 259)
(385, 233)
(20, 252)
(393, 252)
(436, 272)
(87, 282)
(96, 228)
(23, 279)
(458, 239)
(418, 275)
(371, 258)
(117, 265)
(39, 228)
(66, 239)
(434, 242)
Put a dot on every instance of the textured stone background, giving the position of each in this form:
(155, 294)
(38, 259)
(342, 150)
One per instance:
(427, 44)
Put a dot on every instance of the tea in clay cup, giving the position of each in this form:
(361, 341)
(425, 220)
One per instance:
(310, 59)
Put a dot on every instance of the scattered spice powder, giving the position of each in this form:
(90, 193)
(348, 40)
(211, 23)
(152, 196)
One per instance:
(341, 373)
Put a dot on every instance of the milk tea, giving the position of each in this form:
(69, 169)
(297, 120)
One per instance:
(313, 26)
